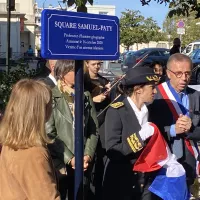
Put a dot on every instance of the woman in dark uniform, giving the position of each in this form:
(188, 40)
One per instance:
(126, 130)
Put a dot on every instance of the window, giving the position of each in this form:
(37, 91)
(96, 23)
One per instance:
(140, 52)
(197, 55)
(188, 48)
(103, 13)
(196, 46)
(164, 53)
(154, 53)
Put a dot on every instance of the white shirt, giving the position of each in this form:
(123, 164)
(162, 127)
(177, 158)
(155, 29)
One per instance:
(142, 115)
(53, 79)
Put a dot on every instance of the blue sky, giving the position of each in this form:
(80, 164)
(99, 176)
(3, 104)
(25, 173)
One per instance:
(157, 11)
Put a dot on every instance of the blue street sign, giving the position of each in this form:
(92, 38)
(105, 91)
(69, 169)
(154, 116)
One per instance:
(79, 36)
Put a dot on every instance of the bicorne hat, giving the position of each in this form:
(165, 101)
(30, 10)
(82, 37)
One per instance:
(140, 75)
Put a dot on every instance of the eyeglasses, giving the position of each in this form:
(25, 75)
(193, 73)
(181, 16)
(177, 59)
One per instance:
(180, 74)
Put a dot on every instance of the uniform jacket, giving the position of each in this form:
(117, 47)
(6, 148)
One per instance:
(161, 115)
(60, 127)
(123, 145)
(27, 174)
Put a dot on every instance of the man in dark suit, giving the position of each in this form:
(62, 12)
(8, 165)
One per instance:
(50, 79)
(175, 111)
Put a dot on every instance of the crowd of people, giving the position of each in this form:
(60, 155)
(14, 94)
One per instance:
(37, 159)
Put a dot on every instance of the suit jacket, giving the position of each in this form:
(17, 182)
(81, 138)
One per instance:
(27, 174)
(49, 82)
(123, 145)
(60, 127)
(161, 115)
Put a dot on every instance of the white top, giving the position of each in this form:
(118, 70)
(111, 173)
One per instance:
(142, 115)
(53, 79)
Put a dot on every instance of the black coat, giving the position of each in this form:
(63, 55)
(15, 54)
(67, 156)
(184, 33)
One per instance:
(160, 114)
(121, 124)
(48, 81)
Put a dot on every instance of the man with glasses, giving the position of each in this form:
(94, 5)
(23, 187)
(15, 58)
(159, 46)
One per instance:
(176, 112)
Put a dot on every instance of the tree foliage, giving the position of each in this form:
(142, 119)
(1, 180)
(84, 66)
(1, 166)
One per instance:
(80, 4)
(179, 7)
(192, 29)
(134, 28)
(8, 80)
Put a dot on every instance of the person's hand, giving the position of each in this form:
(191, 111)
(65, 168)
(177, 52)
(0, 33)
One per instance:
(183, 124)
(72, 163)
(108, 86)
(99, 98)
(146, 131)
(86, 161)
(187, 122)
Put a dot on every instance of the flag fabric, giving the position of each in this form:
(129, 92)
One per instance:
(170, 183)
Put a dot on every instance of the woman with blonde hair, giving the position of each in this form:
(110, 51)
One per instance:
(26, 167)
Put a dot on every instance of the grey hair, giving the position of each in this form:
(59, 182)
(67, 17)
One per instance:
(178, 57)
(63, 67)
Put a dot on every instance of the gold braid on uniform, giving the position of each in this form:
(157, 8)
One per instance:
(117, 105)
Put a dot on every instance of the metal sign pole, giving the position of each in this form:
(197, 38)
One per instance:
(79, 101)
(180, 37)
(8, 36)
(64, 26)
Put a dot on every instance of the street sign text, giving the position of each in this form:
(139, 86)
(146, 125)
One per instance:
(79, 36)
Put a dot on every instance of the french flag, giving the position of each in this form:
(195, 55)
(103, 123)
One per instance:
(170, 182)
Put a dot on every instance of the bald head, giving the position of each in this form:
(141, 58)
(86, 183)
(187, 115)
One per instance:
(178, 58)
(179, 71)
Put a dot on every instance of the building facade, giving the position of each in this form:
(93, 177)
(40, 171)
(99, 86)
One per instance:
(95, 9)
(22, 27)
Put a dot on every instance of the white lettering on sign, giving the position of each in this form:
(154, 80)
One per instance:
(88, 27)
(94, 27)
(106, 28)
(62, 25)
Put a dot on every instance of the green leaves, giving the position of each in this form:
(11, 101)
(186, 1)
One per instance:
(192, 29)
(179, 7)
(134, 28)
(8, 80)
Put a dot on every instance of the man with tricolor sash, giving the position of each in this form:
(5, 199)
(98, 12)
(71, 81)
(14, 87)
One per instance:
(176, 111)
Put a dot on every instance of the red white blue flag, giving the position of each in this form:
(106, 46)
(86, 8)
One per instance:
(170, 182)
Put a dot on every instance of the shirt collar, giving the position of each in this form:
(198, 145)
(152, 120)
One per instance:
(53, 79)
(142, 115)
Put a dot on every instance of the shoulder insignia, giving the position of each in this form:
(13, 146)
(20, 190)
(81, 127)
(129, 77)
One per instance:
(117, 104)
(134, 143)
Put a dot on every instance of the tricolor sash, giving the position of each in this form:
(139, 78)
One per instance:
(176, 107)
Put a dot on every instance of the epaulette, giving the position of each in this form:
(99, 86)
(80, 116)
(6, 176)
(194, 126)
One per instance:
(117, 104)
